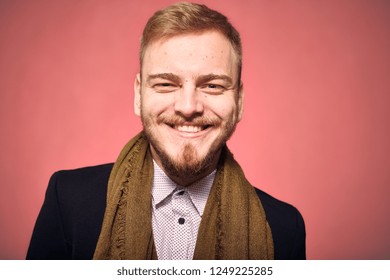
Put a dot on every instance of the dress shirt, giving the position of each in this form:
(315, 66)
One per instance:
(176, 214)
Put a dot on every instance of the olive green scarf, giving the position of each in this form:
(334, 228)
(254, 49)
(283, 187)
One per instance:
(233, 224)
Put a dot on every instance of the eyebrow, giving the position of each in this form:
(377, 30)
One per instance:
(165, 76)
(200, 80)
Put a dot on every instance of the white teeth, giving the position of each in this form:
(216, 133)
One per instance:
(188, 128)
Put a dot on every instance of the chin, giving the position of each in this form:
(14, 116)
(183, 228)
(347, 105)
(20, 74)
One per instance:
(187, 163)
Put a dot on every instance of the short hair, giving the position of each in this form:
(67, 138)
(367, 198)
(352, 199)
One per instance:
(184, 18)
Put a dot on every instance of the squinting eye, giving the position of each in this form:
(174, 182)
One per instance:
(164, 87)
(213, 88)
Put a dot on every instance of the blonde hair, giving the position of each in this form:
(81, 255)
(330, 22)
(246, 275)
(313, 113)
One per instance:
(183, 18)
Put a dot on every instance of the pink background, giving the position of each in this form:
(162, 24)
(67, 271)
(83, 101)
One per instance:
(315, 131)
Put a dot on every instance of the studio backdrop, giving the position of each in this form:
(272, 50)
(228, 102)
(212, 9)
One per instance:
(315, 131)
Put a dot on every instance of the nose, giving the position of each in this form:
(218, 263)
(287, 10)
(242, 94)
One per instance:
(188, 102)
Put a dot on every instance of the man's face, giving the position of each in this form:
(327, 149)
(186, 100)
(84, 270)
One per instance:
(189, 100)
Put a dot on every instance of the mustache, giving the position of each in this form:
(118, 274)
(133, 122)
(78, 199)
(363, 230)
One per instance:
(173, 120)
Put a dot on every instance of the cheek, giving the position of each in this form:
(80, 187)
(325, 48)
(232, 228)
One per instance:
(155, 104)
(225, 109)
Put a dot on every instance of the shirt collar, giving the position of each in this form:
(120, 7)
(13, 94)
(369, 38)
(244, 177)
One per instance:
(163, 187)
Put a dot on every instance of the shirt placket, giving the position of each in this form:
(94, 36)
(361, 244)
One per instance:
(181, 234)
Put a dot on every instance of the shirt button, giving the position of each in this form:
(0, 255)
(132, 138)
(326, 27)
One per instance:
(180, 193)
(181, 221)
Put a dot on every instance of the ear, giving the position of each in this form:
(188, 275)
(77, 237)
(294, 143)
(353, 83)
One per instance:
(137, 95)
(240, 102)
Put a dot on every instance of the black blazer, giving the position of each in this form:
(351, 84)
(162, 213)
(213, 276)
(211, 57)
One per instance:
(68, 225)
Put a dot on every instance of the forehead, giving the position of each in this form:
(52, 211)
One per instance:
(206, 51)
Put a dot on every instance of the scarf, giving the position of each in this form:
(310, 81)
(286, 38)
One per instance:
(233, 224)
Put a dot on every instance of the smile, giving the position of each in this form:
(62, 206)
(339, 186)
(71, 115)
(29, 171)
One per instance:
(189, 128)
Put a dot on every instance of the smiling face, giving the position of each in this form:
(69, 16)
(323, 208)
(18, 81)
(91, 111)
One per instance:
(190, 100)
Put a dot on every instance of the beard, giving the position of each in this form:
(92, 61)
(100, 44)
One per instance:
(188, 163)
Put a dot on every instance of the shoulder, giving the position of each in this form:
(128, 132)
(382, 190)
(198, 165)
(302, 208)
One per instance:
(280, 212)
(70, 219)
(287, 226)
(81, 199)
(85, 175)
(81, 180)
(80, 188)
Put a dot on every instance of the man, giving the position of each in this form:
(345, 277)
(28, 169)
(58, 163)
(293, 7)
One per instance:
(175, 191)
